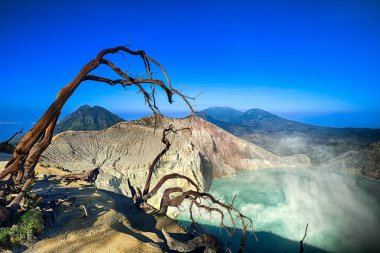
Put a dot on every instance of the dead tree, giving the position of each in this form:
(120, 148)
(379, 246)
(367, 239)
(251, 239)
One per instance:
(6, 146)
(88, 176)
(18, 175)
(175, 196)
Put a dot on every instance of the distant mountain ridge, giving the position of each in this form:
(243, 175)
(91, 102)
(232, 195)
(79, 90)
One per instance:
(262, 119)
(224, 114)
(87, 118)
(286, 137)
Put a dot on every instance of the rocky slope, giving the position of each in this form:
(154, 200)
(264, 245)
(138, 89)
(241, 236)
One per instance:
(126, 149)
(365, 162)
(121, 152)
(225, 152)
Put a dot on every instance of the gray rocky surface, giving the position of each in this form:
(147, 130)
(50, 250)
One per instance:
(126, 150)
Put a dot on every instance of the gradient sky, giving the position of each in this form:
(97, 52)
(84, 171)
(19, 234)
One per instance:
(313, 61)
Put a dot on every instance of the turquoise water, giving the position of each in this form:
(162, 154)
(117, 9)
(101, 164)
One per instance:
(343, 211)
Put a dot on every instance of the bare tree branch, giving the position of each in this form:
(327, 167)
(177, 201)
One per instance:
(206, 240)
(13, 136)
(5, 146)
(301, 242)
(18, 175)
(175, 196)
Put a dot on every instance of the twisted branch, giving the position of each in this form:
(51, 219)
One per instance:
(175, 196)
(18, 175)
(5, 146)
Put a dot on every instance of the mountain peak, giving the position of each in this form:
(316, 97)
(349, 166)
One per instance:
(260, 114)
(87, 118)
(255, 117)
(224, 114)
(220, 108)
(264, 120)
(258, 111)
(83, 107)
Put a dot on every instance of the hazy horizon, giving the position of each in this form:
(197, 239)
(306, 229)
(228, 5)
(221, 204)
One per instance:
(315, 62)
(10, 127)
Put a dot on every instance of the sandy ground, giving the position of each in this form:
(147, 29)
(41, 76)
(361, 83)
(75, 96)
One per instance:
(113, 223)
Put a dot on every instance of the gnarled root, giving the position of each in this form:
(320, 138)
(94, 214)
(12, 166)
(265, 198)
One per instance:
(88, 176)
(206, 240)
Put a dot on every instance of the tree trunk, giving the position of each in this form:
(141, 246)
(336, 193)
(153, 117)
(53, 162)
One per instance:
(19, 171)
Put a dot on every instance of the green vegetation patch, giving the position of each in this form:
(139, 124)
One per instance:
(23, 229)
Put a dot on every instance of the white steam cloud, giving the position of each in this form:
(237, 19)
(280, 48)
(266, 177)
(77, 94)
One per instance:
(343, 211)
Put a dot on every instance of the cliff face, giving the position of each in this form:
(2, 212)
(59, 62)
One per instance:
(365, 162)
(126, 150)
(225, 152)
(121, 152)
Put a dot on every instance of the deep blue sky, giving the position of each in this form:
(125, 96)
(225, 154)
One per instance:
(313, 61)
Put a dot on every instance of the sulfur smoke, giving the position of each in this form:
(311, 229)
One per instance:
(343, 210)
